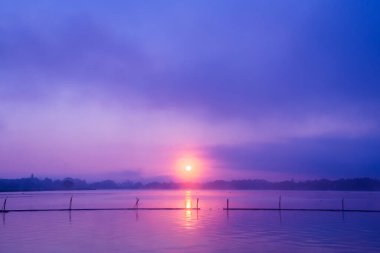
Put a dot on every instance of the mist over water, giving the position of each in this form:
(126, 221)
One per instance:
(189, 95)
(210, 229)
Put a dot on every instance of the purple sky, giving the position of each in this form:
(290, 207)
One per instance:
(238, 89)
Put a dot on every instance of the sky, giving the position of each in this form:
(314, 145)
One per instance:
(138, 90)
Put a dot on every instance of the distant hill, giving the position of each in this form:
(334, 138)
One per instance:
(47, 184)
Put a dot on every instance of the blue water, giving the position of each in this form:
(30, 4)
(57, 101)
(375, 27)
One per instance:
(208, 230)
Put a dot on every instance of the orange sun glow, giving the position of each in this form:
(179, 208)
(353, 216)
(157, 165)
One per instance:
(189, 168)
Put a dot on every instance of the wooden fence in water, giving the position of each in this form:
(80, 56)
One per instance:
(227, 208)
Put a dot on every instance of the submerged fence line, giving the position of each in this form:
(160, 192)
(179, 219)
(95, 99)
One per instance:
(134, 208)
(99, 209)
(227, 208)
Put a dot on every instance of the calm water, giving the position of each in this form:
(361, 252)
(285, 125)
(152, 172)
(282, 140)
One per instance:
(209, 230)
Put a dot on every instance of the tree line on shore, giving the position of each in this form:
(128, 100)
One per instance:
(35, 184)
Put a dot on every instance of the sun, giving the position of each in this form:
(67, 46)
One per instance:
(188, 168)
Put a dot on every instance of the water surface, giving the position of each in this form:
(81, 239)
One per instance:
(209, 230)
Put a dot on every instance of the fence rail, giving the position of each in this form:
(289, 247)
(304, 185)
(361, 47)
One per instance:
(227, 208)
(98, 209)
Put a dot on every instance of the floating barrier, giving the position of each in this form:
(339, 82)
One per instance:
(301, 209)
(100, 209)
(227, 208)
(70, 208)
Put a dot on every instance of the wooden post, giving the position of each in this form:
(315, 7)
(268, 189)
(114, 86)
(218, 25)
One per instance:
(197, 203)
(228, 204)
(279, 203)
(4, 204)
(71, 202)
(137, 203)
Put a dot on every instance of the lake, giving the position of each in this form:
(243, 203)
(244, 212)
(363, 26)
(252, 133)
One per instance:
(210, 229)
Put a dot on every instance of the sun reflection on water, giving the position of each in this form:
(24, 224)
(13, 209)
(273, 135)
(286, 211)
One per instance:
(188, 203)
(188, 210)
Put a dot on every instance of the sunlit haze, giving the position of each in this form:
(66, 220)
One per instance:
(189, 90)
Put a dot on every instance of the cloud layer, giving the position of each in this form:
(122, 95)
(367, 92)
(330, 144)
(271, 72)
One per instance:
(288, 88)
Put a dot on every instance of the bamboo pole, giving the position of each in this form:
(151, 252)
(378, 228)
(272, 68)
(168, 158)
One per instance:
(137, 203)
(4, 205)
(71, 202)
